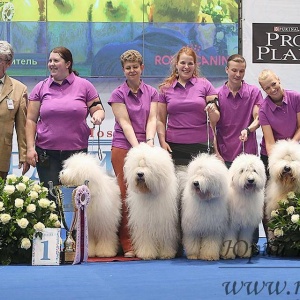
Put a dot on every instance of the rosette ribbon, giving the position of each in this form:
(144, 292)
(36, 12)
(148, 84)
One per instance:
(82, 199)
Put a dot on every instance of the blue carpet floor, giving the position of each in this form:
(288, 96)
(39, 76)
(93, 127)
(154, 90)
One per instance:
(262, 277)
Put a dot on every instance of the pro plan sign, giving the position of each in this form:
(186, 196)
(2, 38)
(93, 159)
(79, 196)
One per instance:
(276, 43)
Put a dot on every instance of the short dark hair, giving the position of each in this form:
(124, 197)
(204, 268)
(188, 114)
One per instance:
(236, 58)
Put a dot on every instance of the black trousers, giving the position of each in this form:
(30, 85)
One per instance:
(265, 160)
(50, 164)
(182, 154)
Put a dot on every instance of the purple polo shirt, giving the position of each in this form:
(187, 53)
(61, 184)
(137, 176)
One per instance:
(282, 119)
(138, 108)
(236, 114)
(62, 124)
(187, 122)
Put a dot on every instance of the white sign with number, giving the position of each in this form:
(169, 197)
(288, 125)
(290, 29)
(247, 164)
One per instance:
(46, 251)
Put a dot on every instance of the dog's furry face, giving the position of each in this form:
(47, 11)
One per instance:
(284, 164)
(207, 177)
(247, 173)
(148, 169)
(142, 172)
(78, 168)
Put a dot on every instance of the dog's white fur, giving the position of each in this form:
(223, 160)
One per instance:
(104, 209)
(284, 168)
(204, 207)
(247, 179)
(152, 202)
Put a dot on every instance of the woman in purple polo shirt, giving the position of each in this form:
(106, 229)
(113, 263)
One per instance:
(186, 101)
(279, 114)
(134, 105)
(56, 124)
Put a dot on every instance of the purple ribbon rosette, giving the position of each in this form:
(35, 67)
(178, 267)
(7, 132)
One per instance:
(82, 199)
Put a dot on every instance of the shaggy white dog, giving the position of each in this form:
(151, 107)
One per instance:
(152, 202)
(104, 209)
(284, 168)
(247, 179)
(204, 207)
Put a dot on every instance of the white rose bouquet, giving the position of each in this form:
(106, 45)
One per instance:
(24, 212)
(285, 224)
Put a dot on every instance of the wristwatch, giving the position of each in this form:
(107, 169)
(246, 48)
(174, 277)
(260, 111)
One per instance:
(248, 130)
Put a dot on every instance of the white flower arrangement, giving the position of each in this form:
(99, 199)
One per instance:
(25, 211)
(285, 224)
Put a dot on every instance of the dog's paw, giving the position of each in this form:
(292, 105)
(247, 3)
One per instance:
(228, 256)
(166, 253)
(244, 252)
(146, 257)
(166, 256)
(192, 256)
(106, 249)
(209, 257)
(108, 254)
(245, 256)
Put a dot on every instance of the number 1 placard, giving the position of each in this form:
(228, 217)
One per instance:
(46, 251)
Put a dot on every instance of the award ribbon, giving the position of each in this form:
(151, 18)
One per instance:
(82, 199)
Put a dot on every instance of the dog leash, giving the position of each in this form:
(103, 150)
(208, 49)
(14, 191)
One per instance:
(99, 151)
(207, 128)
(208, 135)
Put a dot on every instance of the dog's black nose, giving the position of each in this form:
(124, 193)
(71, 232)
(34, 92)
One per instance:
(251, 181)
(196, 183)
(140, 174)
(286, 169)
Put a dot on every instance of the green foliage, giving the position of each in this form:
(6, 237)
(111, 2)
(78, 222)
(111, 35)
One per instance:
(215, 11)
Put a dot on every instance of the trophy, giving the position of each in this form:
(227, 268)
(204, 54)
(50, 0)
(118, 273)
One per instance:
(72, 202)
(64, 200)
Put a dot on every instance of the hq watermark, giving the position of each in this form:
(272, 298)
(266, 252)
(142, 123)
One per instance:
(234, 247)
(267, 288)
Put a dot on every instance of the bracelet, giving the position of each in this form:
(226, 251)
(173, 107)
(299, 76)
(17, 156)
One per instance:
(214, 101)
(248, 130)
(152, 139)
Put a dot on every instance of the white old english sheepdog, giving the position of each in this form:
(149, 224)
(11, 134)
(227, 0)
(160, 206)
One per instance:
(152, 202)
(284, 169)
(247, 179)
(104, 209)
(204, 207)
